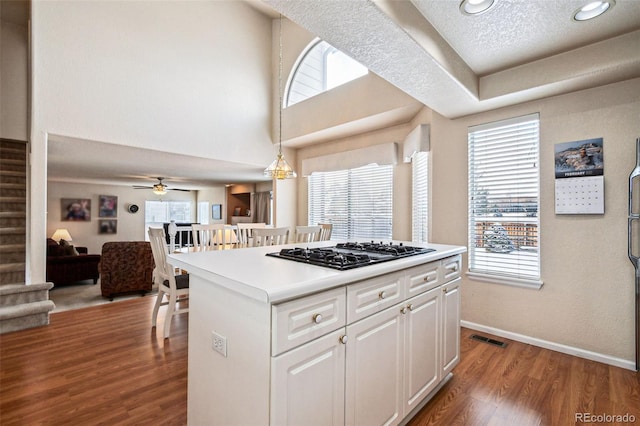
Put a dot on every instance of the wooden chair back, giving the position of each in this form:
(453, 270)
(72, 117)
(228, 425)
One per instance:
(214, 236)
(245, 232)
(325, 231)
(270, 236)
(307, 234)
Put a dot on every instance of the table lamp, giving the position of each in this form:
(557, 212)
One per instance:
(61, 234)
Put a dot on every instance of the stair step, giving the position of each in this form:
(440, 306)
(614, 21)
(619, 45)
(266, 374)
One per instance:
(12, 267)
(12, 248)
(13, 199)
(13, 230)
(13, 185)
(11, 173)
(13, 215)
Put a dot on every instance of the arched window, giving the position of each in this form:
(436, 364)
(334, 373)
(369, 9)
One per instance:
(321, 67)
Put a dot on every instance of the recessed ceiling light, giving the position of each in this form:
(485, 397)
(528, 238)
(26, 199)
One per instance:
(593, 9)
(475, 7)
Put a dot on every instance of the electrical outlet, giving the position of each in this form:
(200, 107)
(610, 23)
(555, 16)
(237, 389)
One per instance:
(219, 343)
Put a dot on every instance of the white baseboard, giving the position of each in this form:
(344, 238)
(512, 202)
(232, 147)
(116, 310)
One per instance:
(570, 350)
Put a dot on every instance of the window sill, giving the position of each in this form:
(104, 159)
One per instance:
(514, 282)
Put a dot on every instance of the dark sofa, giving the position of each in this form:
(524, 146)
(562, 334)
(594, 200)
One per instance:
(64, 266)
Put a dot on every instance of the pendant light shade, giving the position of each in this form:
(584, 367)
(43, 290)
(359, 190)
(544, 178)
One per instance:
(279, 168)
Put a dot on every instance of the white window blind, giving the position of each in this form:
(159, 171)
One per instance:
(503, 201)
(358, 202)
(420, 197)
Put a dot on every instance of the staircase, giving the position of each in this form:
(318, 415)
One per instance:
(13, 203)
(21, 306)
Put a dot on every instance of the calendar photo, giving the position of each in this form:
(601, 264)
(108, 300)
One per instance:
(579, 158)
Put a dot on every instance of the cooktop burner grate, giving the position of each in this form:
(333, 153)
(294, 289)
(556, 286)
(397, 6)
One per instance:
(345, 256)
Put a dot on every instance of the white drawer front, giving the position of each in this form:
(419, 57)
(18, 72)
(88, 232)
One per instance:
(451, 268)
(299, 321)
(373, 295)
(422, 278)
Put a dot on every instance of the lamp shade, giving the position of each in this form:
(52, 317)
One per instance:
(61, 234)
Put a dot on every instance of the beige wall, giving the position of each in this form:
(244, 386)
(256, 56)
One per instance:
(587, 300)
(13, 81)
(130, 225)
(180, 77)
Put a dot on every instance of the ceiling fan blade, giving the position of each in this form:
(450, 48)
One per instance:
(142, 187)
(176, 189)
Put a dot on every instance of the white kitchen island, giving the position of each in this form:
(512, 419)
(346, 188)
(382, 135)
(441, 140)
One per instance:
(273, 341)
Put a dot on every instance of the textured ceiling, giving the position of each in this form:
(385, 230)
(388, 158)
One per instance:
(459, 65)
(455, 64)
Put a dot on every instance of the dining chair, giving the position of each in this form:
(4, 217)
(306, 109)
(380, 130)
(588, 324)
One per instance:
(214, 236)
(325, 231)
(270, 236)
(244, 232)
(174, 287)
(307, 234)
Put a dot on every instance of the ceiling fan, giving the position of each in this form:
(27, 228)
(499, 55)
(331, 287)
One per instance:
(159, 188)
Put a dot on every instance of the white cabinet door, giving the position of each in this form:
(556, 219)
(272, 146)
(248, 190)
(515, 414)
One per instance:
(450, 326)
(374, 369)
(422, 355)
(307, 384)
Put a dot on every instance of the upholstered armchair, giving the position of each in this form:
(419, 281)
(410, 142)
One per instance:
(126, 267)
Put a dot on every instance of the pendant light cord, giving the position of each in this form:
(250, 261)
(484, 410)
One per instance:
(280, 89)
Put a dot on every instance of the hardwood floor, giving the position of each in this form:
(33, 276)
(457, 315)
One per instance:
(98, 365)
(104, 365)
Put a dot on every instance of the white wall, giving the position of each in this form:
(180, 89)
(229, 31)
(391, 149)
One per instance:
(176, 76)
(587, 300)
(131, 226)
(13, 81)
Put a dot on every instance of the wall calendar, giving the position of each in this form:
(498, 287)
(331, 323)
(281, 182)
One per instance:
(579, 172)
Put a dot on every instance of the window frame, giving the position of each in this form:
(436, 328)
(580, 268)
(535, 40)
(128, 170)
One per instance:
(343, 210)
(300, 62)
(500, 178)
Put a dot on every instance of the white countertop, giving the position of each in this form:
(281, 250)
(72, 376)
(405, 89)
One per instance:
(250, 272)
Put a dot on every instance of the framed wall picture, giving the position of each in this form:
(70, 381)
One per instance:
(216, 211)
(108, 206)
(108, 226)
(75, 209)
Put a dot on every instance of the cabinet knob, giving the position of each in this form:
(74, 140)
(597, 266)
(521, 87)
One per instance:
(410, 306)
(444, 290)
(343, 339)
(427, 278)
(317, 318)
(382, 295)
(403, 310)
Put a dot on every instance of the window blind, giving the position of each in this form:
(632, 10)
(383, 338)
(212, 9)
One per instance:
(503, 199)
(358, 202)
(420, 197)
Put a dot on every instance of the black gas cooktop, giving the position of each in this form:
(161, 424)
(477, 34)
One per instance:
(345, 256)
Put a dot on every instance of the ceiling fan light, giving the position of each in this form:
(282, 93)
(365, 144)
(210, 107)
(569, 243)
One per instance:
(159, 189)
(592, 10)
(476, 7)
(280, 169)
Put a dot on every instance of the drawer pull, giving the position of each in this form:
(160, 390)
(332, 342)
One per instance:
(444, 290)
(343, 339)
(427, 278)
(382, 295)
(317, 318)
(403, 310)
(410, 306)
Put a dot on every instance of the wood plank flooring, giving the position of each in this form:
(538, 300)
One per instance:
(105, 365)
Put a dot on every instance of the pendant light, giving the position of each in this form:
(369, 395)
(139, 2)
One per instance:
(280, 169)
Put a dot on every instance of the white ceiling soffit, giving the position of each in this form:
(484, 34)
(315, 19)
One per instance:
(458, 65)
(80, 160)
